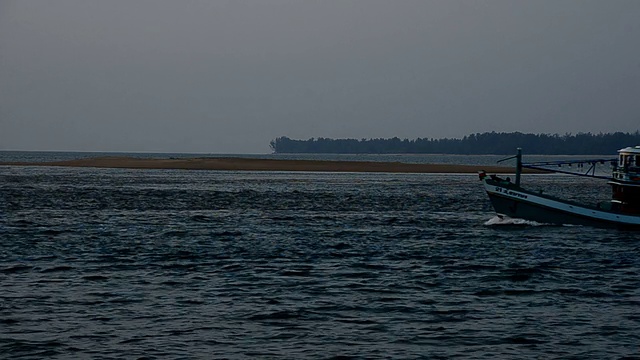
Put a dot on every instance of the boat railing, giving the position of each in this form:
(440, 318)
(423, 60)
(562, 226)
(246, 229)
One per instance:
(629, 174)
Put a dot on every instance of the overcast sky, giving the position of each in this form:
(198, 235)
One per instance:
(218, 76)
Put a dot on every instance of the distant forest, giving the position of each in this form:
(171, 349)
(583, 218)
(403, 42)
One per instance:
(475, 144)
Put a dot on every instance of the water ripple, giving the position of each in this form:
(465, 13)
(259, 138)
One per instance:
(172, 264)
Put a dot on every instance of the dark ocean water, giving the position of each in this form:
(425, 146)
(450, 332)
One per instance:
(112, 263)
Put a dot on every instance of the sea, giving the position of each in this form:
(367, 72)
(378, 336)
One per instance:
(197, 264)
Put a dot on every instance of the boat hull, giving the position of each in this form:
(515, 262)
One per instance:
(510, 200)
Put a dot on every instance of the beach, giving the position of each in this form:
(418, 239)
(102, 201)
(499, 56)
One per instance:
(253, 164)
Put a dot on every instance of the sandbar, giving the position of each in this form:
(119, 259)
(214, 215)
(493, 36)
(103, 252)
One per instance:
(255, 164)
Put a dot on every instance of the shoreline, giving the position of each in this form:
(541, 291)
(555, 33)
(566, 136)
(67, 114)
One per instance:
(253, 164)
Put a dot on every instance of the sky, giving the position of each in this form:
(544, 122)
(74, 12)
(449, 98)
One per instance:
(228, 76)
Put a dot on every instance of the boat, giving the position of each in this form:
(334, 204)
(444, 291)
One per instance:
(512, 200)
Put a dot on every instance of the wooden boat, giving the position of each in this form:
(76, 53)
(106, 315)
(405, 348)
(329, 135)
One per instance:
(622, 211)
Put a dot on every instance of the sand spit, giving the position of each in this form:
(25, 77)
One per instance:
(249, 164)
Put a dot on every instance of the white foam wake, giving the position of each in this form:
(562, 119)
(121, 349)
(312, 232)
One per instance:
(505, 220)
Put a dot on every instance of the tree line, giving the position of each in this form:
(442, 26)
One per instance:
(475, 144)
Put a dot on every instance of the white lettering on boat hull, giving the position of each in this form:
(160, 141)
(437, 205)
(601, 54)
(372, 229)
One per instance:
(562, 206)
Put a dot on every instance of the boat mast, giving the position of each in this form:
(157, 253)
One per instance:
(518, 158)
(518, 166)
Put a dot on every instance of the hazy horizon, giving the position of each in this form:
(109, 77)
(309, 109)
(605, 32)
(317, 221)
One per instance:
(201, 76)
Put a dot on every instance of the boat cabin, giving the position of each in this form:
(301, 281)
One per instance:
(626, 180)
